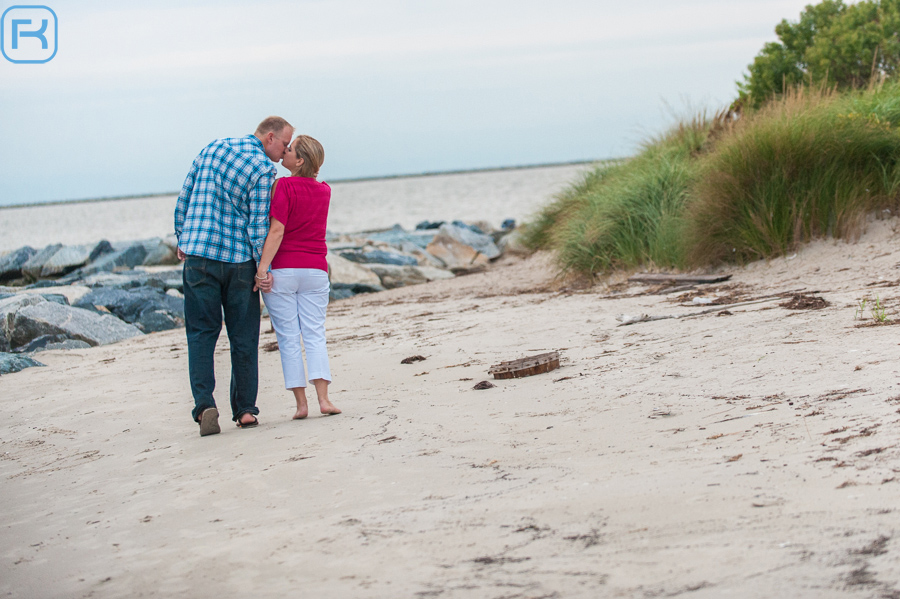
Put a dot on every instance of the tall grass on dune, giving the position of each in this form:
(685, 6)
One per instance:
(808, 165)
(625, 215)
(714, 190)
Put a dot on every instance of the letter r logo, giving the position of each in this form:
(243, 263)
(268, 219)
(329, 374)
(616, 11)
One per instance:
(28, 34)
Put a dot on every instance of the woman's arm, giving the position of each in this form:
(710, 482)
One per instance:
(273, 242)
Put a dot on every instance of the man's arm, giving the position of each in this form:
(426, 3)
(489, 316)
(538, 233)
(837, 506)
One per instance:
(184, 199)
(258, 225)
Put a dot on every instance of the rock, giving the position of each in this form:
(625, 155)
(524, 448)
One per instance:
(508, 225)
(424, 258)
(159, 253)
(339, 293)
(67, 344)
(466, 235)
(342, 271)
(482, 227)
(70, 257)
(48, 318)
(512, 243)
(163, 280)
(8, 309)
(10, 363)
(375, 256)
(57, 298)
(400, 276)
(426, 225)
(122, 259)
(32, 269)
(398, 235)
(72, 293)
(11, 263)
(343, 291)
(455, 254)
(435, 274)
(41, 342)
(149, 309)
(153, 321)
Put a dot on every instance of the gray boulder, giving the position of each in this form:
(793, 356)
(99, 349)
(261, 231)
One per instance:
(39, 343)
(122, 259)
(400, 276)
(11, 263)
(342, 271)
(67, 344)
(466, 235)
(149, 309)
(159, 253)
(343, 291)
(48, 318)
(70, 257)
(8, 309)
(32, 269)
(376, 256)
(455, 254)
(164, 280)
(10, 363)
(397, 235)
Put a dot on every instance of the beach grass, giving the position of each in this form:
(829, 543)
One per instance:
(722, 189)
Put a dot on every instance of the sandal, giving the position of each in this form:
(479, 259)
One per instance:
(250, 424)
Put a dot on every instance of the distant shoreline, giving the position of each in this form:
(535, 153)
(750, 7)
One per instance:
(349, 180)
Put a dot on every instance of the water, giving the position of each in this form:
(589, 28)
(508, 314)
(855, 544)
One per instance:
(491, 196)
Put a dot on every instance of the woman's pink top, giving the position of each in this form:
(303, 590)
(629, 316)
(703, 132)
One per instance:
(301, 204)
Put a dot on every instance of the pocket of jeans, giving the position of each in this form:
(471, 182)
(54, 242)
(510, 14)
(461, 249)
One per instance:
(194, 275)
(245, 274)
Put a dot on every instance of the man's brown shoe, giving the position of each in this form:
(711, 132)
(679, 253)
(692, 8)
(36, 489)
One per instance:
(209, 422)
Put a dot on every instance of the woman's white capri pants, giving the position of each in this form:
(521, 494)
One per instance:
(297, 305)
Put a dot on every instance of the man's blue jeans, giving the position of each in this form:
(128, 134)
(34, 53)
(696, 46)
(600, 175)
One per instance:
(211, 289)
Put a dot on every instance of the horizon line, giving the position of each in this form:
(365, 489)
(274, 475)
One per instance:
(347, 180)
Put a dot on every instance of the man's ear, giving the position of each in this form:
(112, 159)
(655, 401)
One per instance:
(270, 137)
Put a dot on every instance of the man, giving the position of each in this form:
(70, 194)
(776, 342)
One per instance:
(221, 221)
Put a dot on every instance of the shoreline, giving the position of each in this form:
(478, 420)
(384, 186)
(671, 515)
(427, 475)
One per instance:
(498, 169)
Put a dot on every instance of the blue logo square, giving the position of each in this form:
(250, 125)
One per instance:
(29, 34)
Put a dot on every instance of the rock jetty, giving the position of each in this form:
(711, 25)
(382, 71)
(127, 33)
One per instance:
(76, 297)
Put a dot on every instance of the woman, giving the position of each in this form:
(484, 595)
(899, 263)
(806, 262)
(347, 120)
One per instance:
(295, 250)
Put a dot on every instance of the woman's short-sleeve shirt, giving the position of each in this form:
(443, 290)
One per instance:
(301, 204)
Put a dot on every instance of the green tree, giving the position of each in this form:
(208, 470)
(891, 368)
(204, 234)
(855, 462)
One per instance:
(832, 44)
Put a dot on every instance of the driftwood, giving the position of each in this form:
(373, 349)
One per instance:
(657, 278)
(515, 369)
(625, 319)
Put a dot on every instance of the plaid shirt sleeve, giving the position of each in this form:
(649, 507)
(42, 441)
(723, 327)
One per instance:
(258, 225)
(183, 198)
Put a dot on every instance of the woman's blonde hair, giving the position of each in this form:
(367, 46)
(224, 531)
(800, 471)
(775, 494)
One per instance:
(312, 153)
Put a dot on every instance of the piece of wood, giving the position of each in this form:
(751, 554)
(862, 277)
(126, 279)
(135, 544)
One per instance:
(515, 369)
(626, 320)
(657, 278)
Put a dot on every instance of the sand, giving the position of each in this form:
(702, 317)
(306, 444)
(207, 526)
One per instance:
(747, 455)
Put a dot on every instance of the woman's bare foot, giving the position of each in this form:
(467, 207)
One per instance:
(302, 407)
(325, 405)
(328, 408)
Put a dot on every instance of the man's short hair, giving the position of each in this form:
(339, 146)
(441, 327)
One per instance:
(272, 124)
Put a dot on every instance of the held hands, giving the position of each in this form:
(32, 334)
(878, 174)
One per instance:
(264, 282)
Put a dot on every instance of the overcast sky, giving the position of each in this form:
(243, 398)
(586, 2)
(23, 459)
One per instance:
(388, 86)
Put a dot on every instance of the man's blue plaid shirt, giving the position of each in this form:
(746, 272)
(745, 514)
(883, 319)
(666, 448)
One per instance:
(223, 209)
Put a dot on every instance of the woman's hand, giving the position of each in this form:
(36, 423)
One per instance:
(264, 284)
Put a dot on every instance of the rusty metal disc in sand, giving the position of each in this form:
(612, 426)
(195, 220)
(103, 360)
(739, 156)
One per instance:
(515, 369)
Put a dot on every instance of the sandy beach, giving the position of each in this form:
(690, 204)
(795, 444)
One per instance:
(752, 453)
